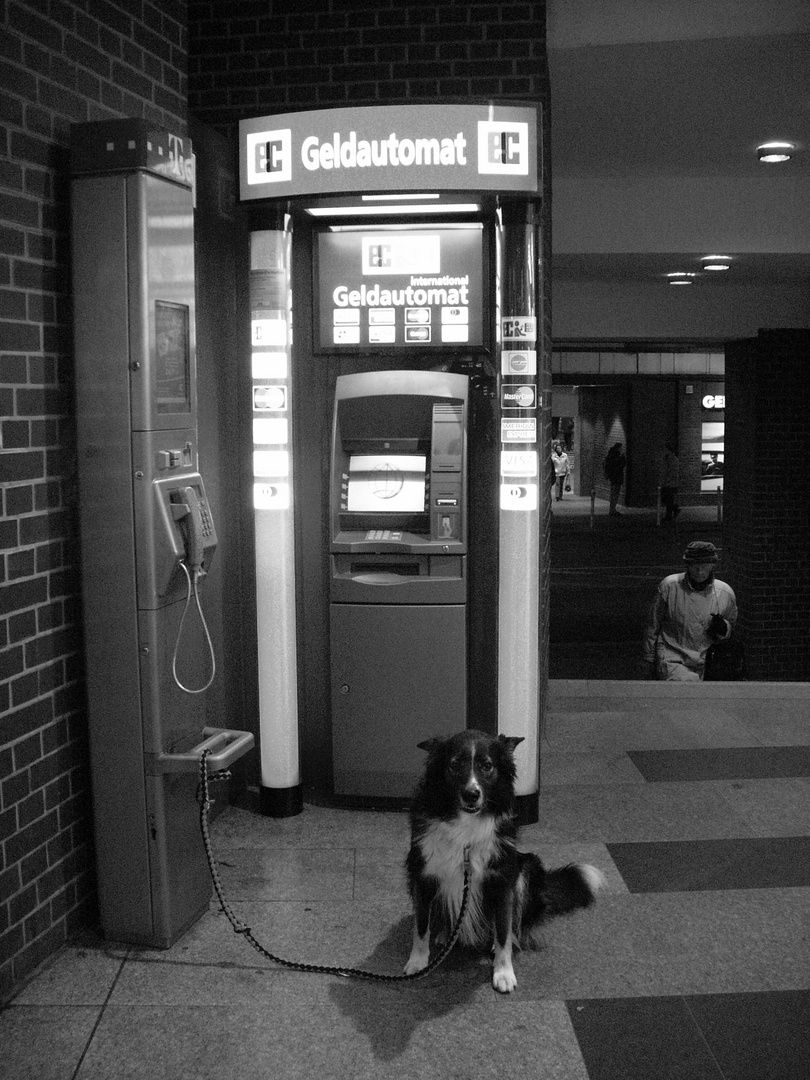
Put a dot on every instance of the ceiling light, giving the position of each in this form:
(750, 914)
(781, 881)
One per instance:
(681, 281)
(715, 266)
(411, 208)
(681, 274)
(775, 151)
(399, 197)
(716, 262)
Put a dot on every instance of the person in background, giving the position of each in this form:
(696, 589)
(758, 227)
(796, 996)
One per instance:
(562, 468)
(670, 481)
(614, 473)
(690, 612)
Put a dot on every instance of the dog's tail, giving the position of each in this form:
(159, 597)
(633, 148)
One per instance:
(544, 894)
(570, 888)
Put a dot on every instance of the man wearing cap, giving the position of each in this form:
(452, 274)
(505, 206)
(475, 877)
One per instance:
(690, 612)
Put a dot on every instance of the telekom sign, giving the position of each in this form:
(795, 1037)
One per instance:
(394, 148)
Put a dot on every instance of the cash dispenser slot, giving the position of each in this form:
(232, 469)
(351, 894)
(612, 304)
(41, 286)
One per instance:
(408, 579)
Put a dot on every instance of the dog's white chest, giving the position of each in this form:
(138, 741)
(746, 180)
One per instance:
(443, 846)
(444, 843)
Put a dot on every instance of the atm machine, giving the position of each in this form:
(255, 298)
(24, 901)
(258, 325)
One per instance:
(398, 589)
(147, 531)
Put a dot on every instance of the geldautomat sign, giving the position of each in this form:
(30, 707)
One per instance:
(394, 148)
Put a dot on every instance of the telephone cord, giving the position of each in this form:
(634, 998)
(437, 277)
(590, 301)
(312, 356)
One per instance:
(192, 590)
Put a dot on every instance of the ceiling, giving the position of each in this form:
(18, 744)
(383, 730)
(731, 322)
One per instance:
(657, 108)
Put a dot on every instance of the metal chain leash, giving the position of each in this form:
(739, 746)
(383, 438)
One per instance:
(244, 931)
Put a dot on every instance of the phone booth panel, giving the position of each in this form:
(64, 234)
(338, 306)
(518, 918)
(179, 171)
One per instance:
(147, 533)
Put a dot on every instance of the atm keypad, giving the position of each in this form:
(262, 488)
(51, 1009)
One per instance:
(384, 534)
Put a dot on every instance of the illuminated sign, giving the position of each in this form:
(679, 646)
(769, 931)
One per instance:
(422, 286)
(714, 401)
(390, 148)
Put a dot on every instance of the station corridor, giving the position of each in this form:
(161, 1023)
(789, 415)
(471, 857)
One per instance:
(693, 800)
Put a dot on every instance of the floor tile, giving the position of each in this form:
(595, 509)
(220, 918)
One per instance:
(596, 767)
(777, 721)
(302, 873)
(335, 934)
(756, 1036)
(649, 729)
(82, 973)
(653, 944)
(361, 1032)
(379, 873)
(641, 1039)
(633, 812)
(44, 1042)
(769, 807)
(730, 763)
(316, 826)
(688, 865)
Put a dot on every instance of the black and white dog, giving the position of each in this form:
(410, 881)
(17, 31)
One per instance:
(464, 802)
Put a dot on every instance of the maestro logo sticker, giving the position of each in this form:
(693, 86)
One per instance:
(522, 497)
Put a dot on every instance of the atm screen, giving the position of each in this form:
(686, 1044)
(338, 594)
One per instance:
(386, 483)
(398, 287)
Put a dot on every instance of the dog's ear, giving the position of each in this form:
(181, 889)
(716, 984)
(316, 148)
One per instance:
(510, 741)
(430, 744)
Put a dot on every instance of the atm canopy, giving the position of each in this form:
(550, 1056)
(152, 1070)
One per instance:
(398, 148)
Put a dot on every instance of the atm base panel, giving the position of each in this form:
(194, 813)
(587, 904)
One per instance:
(399, 676)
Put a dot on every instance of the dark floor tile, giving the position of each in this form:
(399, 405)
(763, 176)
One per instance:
(695, 865)
(761, 1036)
(641, 1039)
(728, 763)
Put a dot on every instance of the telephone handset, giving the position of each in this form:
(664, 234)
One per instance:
(188, 511)
(189, 529)
(185, 531)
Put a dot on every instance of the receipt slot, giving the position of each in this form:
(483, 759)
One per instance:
(398, 576)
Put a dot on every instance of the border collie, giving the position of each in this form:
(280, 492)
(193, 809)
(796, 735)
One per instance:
(464, 802)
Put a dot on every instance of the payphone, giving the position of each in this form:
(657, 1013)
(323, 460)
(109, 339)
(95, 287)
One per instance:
(147, 531)
(398, 588)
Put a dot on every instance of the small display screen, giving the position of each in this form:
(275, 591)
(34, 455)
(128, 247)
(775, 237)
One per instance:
(386, 483)
(172, 358)
(401, 287)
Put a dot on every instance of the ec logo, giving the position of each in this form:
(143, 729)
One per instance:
(379, 255)
(503, 147)
(269, 157)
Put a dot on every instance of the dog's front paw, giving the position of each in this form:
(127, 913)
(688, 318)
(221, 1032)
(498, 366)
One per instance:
(503, 980)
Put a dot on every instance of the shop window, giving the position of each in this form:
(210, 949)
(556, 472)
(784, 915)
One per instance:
(712, 456)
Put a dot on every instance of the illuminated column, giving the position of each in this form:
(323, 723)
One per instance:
(519, 515)
(280, 793)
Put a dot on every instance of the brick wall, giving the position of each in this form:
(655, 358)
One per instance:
(61, 62)
(251, 57)
(767, 500)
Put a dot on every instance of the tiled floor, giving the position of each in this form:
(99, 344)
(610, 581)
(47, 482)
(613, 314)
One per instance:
(694, 965)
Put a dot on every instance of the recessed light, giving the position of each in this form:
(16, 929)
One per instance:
(681, 274)
(384, 208)
(771, 152)
(680, 281)
(715, 266)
